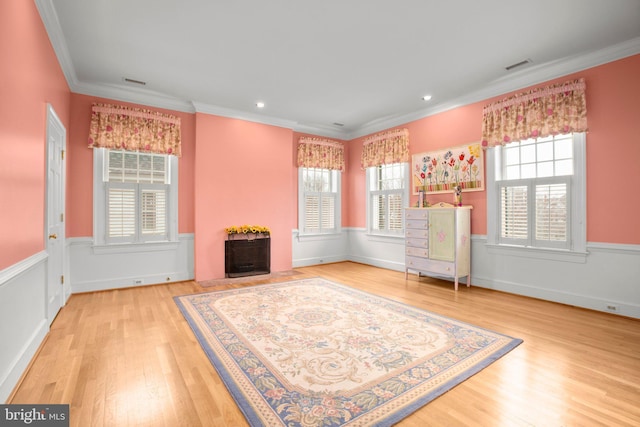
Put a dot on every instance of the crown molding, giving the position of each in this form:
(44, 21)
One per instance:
(134, 95)
(513, 81)
(54, 31)
(242, 115)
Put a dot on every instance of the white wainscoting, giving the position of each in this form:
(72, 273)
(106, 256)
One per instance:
(318, 249)
(23, 318)
(100, 268)
(607, 276)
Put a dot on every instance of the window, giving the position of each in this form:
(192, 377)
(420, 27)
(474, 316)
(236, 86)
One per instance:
(539, 197)
(387, 195)
(319, 195)
(135, 197)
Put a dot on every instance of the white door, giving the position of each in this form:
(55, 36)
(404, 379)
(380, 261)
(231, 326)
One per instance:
(54, 227)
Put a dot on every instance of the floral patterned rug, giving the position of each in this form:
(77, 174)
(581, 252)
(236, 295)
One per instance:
(311, 352)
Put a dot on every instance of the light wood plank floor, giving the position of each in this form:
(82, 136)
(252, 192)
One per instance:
(128, 358)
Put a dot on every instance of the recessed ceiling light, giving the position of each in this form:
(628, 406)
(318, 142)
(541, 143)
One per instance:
(260, 104)
(426, 97)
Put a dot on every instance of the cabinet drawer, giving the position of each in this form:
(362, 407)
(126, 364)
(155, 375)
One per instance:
(430, 266)
(418, 252)
(416, 214)
(417, 243)
(414, 233)
(416, 223)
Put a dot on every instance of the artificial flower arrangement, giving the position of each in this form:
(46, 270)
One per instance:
(246, 229)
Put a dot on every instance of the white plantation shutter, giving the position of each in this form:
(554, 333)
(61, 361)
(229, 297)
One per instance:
(328, 212)
(121, 212)
(514, 227)
(311, 213)
(378, 210)
(395, 212)
(552, 215)
(153, 212)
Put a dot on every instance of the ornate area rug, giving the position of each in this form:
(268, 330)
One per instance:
(312, 352)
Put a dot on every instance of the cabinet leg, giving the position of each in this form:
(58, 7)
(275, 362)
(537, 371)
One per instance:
(455, 283)
(406, 273)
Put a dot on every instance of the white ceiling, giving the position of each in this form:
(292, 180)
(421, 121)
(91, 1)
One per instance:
(363, 63)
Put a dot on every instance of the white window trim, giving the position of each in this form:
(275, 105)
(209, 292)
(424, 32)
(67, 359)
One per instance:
(337, 214)
(377, 234)
(100, 244)
(578, 200)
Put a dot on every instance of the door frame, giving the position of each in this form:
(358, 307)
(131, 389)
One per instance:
(51, 121)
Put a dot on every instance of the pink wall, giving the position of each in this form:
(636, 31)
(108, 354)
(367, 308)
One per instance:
(613, 91)
(30, 77)
(243, 175)
(80, 168)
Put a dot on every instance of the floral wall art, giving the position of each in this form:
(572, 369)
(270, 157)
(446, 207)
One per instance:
(440, 171)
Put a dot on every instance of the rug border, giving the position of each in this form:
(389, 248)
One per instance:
(245, 407)
(254, 419)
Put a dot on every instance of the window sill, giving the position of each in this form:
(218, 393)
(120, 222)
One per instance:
(120, 248)
(538, 253)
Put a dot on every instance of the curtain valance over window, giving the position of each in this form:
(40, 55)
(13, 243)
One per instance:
(541, 112)
(385, 148)
(320, 153)
(134, 129)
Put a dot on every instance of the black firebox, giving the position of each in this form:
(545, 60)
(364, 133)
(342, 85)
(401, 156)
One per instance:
(247, 257)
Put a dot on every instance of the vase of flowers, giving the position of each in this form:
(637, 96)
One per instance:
(247, 232)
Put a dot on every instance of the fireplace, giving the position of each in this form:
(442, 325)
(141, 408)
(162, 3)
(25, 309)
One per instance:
(247, 255)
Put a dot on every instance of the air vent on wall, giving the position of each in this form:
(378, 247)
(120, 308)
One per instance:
(517, 64)
(136, 82)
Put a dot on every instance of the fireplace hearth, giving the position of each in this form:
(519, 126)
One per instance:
(247, 255)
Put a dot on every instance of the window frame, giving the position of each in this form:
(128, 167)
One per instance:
(336, 178)
(101, 242)
(575, 250)
(404, 192)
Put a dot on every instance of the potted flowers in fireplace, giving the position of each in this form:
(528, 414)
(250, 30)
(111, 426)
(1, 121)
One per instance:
(247, 232)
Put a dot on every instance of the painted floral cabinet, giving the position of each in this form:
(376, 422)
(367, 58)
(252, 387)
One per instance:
(438, 241)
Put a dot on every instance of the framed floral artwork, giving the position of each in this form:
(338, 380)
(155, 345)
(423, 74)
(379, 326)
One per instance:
(440, 171)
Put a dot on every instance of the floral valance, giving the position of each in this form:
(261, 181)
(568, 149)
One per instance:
(385, 148)
(134, 129)
(541, 112)
(320, 153)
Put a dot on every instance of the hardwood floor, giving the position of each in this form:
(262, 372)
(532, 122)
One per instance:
(128, 358)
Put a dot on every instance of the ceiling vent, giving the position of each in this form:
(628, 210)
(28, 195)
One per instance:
(517, 64)
(133, 81)
(338, 124)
